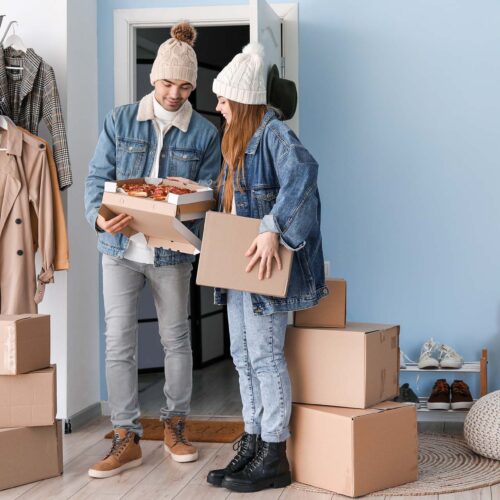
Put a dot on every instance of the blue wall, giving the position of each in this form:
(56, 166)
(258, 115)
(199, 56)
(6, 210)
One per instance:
(400, 104)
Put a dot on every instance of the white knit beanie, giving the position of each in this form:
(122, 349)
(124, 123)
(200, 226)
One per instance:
(176, 58)
(242, 80)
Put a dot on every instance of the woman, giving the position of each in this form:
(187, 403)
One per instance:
(269, 175)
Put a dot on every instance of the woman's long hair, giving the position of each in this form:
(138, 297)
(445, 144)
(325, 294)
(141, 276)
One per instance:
(245, 120)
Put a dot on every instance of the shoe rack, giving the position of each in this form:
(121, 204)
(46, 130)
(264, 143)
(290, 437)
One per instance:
(480, 367)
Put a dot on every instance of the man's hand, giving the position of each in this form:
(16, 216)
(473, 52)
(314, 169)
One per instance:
(114, 225)
(266, 248)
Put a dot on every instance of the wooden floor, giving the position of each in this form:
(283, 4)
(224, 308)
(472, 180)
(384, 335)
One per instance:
(161, 477)
(215, 394)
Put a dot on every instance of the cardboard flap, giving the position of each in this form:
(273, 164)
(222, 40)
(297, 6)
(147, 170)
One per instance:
(156, 219)
(12, 318)
(365, 327)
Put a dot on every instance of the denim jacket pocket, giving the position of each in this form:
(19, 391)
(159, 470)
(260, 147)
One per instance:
(130, 158)
(184, 163)
(264, 199)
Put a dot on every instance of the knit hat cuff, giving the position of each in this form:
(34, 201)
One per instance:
(242, 96)
(169, 72)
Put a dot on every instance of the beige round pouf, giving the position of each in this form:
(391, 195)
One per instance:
(482, 426)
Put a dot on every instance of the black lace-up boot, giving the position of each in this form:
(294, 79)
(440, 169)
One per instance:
(245, 448)
(269, 469)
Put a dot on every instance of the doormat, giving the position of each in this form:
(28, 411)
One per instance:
(445, 465)
(202, 431)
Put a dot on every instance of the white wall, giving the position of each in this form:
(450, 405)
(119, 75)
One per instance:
(49, 28)
(83, 286)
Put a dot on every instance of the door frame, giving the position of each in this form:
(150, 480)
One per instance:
(126, 21)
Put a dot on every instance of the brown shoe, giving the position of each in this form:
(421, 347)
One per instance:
(440, 397)
(175, 441)
(125, 453)
(461, 398)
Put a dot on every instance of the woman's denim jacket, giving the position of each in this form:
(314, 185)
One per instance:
(126, 149)
(279, 184)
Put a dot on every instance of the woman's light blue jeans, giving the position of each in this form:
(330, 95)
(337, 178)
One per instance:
(257, 344)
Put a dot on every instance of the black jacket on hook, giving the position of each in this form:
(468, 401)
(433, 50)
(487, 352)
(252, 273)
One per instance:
(29, 95)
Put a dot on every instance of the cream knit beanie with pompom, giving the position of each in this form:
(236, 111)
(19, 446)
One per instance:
(176, 58)
(242, 80)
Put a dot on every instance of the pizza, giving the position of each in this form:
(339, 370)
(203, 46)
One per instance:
(156, 192)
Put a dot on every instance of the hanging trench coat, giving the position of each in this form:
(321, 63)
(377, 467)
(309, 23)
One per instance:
(25, 186)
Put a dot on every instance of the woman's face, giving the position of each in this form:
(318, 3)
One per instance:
(223, 108)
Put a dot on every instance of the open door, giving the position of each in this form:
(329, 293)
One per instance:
(265, 28)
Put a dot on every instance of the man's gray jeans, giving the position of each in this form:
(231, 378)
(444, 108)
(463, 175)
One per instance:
(123, 281)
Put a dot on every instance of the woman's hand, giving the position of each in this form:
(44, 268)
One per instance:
(266, 248)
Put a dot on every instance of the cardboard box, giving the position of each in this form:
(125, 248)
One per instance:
(226, 238)
(24, 343)
(354, 452)
(28, 400)
(159, 221)
(30, 454)
(331, 310)
(356, 366)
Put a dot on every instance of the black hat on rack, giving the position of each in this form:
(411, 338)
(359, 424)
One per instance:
(281, 93)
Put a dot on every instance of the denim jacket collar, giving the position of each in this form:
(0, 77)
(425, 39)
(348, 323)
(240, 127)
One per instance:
(255, 140)
(146, 112)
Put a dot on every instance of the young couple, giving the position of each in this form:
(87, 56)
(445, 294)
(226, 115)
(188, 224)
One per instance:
(266, 174)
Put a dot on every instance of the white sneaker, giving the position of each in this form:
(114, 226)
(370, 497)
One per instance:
(403, 358)
(449, 358)
(428, 355)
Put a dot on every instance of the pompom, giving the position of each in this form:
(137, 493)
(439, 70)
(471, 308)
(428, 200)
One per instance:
(254, 48)
(184, 32)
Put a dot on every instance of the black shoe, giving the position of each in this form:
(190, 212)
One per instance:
(269, 469)
(406, 395)
(246, 449)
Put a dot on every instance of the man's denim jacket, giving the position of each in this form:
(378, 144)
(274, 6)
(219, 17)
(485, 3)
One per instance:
(279, 185)
(126, 149)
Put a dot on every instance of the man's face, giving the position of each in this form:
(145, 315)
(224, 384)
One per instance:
(172, 94)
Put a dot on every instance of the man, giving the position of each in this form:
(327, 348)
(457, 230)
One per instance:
(161, 136)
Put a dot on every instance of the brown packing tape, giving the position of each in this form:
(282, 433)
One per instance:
(383, 376)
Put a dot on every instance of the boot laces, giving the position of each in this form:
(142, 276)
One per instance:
(428, 347)
(117, 445)
(177, 431)
(259, 457)
(441, 386)
(241, 447)
(447, 351)
(460, 388)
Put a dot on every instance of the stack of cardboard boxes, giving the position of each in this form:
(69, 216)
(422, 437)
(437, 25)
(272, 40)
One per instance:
(30, 436)
(347, 436)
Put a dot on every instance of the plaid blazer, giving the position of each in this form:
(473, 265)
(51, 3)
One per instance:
(28, 96)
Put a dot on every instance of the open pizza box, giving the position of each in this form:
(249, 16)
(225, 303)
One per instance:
(187, 206)
(159, 221)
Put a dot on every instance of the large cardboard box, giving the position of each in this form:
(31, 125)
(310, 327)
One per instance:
(28, 400)
(159, 221)
(331, 310)
(222, 264)
(354, 452)
(356, 366)
(30, 454)
(24, 343)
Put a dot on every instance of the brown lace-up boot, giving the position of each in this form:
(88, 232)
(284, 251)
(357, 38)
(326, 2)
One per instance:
(125, 453)
(175, 441)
